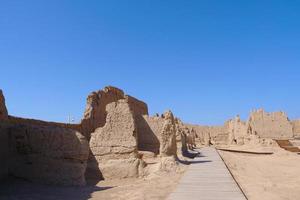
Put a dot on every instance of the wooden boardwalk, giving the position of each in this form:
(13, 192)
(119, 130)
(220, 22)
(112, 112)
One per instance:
(207, 178)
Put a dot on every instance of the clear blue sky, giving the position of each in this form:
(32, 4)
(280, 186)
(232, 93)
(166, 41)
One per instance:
(205, 60)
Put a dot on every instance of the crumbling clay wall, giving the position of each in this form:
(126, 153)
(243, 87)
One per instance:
(237, 130)
(149, 130)
(4, 149)
(19, 120)
(296, 128)
(138, 107)
(168, 146)
(95, 112)
(181, 136)
(207, 135)
(114, 146)
(157, 134)
(274, 125)
(3, 110)
(48, 154)
(39, 151)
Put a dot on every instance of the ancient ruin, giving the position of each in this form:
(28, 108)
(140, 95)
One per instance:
(111, 141)
(3, 110)
(114, 146)
(42, 152)
(259, 125)
(296, 128)
(157, 134)
(117, 139)
(95, 112)
(270, 125)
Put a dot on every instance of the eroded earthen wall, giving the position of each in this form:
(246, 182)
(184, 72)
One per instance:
(114, 146)
(210, 134)
(95, 112)
(149, 131)
(4, 149)
(47, 154)
(3, 110)
(296, 128)
(138, 107)
(274, 125)
(40, 151)
(237, 131)
(157, 134)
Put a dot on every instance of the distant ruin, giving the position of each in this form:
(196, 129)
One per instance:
(118, 139)
(260, 124)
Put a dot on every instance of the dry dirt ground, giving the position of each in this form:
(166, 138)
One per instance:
(157, 187)
(154, 187)
(266, 177)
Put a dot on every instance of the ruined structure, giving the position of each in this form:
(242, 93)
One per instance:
(259, 125)
(210, 135)
(157, 134)
(41, 152)
(126, 136)
(296, 128)
(114, 146)
(270, 125)
(168, 136)
(149, 130)
(181, 136)
(3, 110)
(118, 139)
(48, 154)
(95, 112)
(57, 153)
(4, 148)
(237, 131)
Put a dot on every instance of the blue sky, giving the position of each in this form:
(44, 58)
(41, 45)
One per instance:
(205, 60)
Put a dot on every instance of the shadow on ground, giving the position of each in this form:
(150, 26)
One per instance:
(16, 189)
(192, 154)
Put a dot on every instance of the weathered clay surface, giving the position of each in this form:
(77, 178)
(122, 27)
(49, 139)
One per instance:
(296, 128)
(149, 133)
(157, 134)
(191, 138)
(237, 131)
(168, 146)
(114, 146)
(4, 150)
(48, 154)
(3, 110)
(207, 135)
(41, 151)
(95, 112)
(137, 107)
(270, 125)
(181, 136)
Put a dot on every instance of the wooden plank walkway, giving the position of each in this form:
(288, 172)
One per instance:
(207, 178)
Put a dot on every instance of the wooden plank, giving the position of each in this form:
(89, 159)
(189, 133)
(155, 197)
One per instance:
(207, 178)
(248, 152)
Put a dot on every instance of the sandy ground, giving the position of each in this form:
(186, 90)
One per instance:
(156, 187)
(266, 177)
